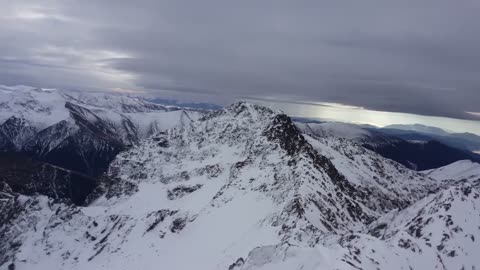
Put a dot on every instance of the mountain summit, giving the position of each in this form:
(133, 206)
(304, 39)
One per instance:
(243, 188)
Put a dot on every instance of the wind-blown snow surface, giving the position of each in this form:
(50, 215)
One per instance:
(242, 188)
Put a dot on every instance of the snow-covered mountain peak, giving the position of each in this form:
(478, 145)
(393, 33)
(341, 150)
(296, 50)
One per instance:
(242, 188)
(253, 110)
(243, 112)
(47, 106)
(41, 108)
(227, 155)
(130, 117)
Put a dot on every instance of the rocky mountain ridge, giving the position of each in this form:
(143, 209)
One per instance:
(77, 132)
(243, 188)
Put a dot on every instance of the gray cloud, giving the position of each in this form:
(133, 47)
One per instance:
(411, 56)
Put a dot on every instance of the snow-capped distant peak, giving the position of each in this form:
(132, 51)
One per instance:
(41, 108)
(114, 102)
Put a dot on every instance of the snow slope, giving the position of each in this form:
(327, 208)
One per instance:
(386, 180)
(240, 188)
(40, 107)
(464, 170)
(437, 232)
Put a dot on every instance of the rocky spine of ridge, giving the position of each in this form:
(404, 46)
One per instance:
(241, 188)
(280, 134)
(285, 133)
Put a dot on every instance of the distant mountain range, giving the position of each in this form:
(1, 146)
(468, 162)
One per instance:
(420, 129)
(188, 105)
(79, 134)
(467, 141)
(410, 145)
(75, 133)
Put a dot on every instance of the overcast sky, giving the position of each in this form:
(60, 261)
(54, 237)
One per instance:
(416, 57)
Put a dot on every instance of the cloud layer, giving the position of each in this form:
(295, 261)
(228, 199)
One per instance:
(405, 56)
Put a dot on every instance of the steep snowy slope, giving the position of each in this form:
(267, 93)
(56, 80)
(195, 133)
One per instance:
(438, 232)
(230, 190)
(464, 170)
(386, 180)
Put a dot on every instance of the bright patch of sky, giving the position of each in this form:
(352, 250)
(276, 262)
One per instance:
(359, 115)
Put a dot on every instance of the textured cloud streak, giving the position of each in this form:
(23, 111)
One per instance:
(416, 57)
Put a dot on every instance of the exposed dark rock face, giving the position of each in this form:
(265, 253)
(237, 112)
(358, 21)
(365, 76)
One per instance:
(13, 133)
(60, 161)
(83, 154)
(88, 147)
(11, 210)
(237, 265)
(158, 217)
(283, 131)
(26, 176)
(182, 190)
(178, 224)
